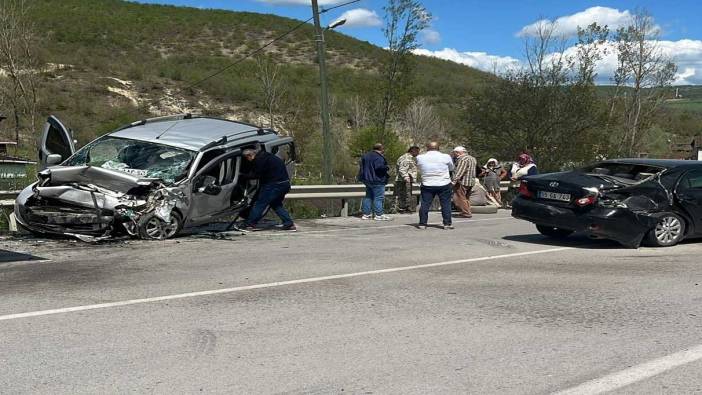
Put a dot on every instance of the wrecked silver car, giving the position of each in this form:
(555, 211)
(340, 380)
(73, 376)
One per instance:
(151, 178)
(630, 201)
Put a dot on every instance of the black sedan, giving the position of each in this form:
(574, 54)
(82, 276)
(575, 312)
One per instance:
(631, 201)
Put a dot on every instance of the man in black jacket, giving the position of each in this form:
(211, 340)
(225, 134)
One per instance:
(274, 184)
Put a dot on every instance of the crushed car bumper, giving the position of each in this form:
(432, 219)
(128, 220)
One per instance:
(619, 224)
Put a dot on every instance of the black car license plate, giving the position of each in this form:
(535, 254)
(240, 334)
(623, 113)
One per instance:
(561, 197)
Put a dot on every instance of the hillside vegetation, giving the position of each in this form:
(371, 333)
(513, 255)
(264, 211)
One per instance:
(111, 62)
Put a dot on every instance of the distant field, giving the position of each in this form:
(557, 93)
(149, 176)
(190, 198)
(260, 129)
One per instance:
(694, 105)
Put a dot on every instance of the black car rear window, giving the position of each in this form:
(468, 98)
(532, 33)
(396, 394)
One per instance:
(628, 171)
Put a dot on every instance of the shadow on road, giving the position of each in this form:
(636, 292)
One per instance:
(574, 241)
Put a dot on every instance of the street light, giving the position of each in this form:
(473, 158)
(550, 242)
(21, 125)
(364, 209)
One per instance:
(327, 160)
(336, 24)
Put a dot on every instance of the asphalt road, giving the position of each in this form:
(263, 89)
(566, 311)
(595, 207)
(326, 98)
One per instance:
(352, 306)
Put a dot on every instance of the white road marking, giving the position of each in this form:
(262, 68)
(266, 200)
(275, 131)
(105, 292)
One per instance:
(268, 285)
(636, 373)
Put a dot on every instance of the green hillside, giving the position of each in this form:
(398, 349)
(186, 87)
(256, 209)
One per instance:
(109, 60)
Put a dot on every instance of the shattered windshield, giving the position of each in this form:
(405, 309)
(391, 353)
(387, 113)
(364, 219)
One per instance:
(138, 158)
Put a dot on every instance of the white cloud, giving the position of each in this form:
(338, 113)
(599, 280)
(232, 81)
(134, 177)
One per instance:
(568, 25)
(300, 2)
(360, 17)
(687, 54)
(430, 37)
(478, 60)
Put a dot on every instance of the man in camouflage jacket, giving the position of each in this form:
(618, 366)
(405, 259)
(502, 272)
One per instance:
(406, 175)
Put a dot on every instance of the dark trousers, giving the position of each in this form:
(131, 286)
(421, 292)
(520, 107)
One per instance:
(427, 195)
(404, 200)
(271, 195)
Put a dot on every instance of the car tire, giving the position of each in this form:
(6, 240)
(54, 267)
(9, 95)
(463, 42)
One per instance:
(669, 231)
(152, 227)
(553, 232)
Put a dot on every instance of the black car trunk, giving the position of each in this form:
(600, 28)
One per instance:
(563, 189)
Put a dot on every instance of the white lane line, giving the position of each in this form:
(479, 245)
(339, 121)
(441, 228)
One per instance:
(268, 285)
(636, 373)
(306, 232)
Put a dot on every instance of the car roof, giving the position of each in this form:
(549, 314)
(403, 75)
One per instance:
(666, 163)
(192, 133)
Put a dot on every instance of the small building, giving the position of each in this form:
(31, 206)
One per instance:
(687, 148)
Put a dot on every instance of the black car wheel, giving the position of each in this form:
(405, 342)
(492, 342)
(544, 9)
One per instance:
(556, 233)
(669, 231)
(155, 228)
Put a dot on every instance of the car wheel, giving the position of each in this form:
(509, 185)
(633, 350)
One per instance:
(556, 233)
(154, 228)
(669, 231)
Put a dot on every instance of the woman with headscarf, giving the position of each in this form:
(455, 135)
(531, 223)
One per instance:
(524, 166)
(493, 173)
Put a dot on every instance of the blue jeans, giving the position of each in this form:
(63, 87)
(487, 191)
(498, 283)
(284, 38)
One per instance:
(271, 195)
(427, 195)
(375, 195)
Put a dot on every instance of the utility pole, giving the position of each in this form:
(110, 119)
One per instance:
(327, 162)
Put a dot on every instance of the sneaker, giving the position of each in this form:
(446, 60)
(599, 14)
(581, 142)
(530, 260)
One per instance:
(364, 216)
(289, 228)
(382, 218)
(249, 228)
(448, 227)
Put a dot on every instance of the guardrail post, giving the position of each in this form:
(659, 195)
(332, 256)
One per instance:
(344, 208)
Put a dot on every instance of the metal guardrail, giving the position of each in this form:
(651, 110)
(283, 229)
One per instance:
(298, 192)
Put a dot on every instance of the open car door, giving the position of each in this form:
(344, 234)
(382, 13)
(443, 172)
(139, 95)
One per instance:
(284, 148)
(56, 143)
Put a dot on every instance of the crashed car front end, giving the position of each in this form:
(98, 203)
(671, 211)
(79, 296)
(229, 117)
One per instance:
(93, 203)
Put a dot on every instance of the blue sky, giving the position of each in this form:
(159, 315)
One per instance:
(485, 34)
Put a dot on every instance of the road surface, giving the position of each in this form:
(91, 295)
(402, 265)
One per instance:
(350, 306)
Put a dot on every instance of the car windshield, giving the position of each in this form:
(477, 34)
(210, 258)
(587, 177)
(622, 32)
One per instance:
(138, 158)
(623, 171)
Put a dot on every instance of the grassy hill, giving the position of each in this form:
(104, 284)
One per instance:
(110, 59)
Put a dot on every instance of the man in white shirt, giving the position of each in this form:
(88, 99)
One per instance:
(435, 169)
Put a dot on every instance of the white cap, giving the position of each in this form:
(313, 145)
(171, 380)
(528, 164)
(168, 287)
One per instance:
(460, 148)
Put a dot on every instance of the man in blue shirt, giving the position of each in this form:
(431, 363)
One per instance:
(373, 172)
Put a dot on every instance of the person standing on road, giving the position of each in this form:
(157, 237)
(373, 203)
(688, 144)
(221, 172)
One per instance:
(373, 173)
(493, 173)
(435, 169)
(463, 181)
(406, 176)
(274, 184)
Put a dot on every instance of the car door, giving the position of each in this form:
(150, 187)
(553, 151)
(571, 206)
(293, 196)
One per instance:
(213, 187)
(689, 195)
(284, 148)
(56, 143)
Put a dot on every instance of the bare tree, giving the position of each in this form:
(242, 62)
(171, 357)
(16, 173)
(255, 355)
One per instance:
(268, 75)
(404, 20)
(358, 117)
(420, 122)
(644, 70)
(18, 62)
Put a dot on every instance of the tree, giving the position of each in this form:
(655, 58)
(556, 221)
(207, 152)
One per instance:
(548, 108)
(268, 75)
(404, 20)
(18, 63)
(420, 122)
(642, 74)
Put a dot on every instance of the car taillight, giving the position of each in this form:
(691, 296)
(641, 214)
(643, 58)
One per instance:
(524, 191)
(586, 201)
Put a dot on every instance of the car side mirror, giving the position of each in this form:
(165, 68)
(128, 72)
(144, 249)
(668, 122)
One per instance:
(53, 159)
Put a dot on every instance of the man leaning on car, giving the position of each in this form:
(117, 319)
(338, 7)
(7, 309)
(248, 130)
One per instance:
(274, 184)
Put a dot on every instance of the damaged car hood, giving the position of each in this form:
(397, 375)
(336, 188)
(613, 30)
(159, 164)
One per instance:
(112, 180)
